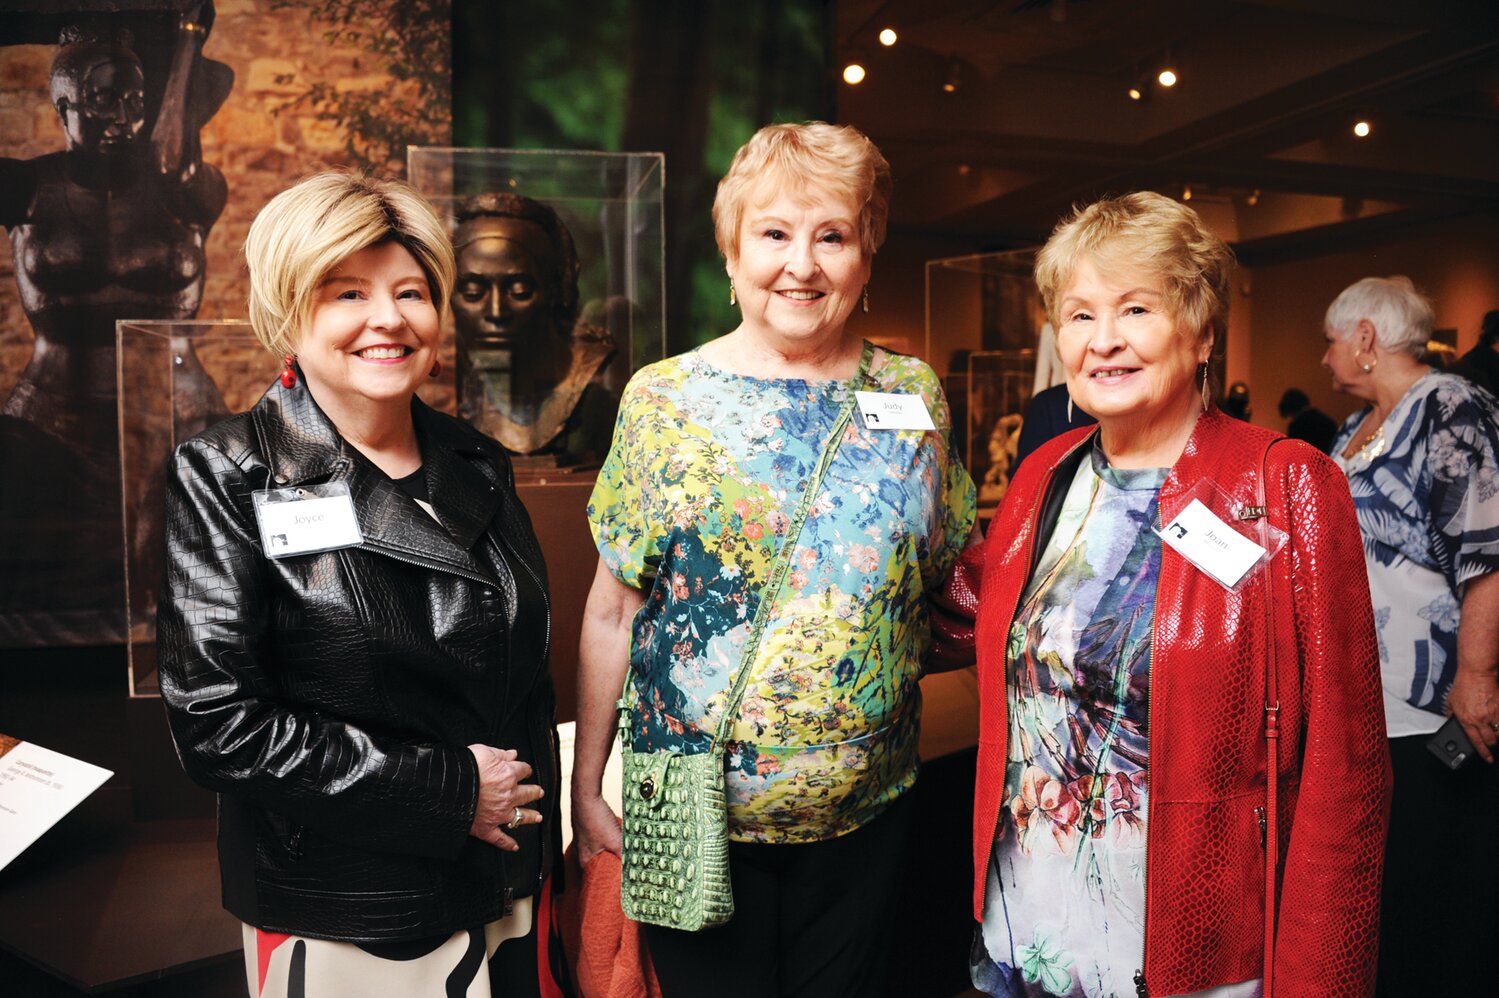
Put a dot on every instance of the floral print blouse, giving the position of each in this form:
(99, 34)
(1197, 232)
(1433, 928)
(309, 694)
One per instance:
(1064, 905)
(1426, 493)
(691, 505)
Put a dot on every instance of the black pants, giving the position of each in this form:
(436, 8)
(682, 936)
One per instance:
(1439, 920)
(813, 920)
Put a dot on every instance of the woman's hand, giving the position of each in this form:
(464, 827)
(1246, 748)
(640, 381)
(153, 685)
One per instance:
(596, 828)
(503, 798)
(1474, 697)
(1474, 701)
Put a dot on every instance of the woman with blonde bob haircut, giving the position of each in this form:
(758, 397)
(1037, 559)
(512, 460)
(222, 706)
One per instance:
(753, 531)
(354, 635)
(1182, 782)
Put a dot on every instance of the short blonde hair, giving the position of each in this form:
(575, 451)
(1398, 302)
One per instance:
(816, 156)
(1402, 317)
(313, 226)
(1153, 232)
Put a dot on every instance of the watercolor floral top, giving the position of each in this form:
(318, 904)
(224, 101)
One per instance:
(1426, 494)
(691, 505)
(1064, 907)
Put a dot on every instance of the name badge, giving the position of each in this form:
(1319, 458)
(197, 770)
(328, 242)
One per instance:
(889, 411)
(305, 520)
(1199, 536)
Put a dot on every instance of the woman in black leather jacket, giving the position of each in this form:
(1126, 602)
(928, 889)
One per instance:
(354, 639)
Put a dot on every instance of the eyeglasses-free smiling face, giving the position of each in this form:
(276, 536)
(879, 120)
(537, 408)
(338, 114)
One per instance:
(800, 269)
(1129, 360)
(373, 332)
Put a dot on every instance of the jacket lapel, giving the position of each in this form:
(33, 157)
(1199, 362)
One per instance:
(302, 446)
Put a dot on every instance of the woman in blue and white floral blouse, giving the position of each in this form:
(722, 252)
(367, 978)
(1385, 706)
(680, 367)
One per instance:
(1423, 464)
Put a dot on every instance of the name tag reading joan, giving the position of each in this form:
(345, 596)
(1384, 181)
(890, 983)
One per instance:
(305, 520)
(889, 411)
(1199, 536)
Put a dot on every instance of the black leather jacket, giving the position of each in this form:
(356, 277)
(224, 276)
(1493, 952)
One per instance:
(329, 697)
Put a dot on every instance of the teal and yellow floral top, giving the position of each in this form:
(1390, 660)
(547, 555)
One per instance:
(695, 498)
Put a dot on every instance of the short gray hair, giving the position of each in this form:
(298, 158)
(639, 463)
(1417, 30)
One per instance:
(1401, 316)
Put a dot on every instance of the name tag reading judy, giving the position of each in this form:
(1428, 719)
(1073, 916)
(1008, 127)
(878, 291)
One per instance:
(889, 411)
(305, 520)
(1199, 536)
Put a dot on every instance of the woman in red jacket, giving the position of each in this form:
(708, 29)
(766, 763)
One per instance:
(1146, 672)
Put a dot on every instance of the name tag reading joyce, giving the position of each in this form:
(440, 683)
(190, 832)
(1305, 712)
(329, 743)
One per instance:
(889, 411)
(301, 521)
(1199, 536)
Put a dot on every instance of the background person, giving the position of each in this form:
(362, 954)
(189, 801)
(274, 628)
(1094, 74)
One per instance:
(692, 504)
(373, 715)
(1421, 462)
(1123, 691)
(1481, 364)
(1306, 421)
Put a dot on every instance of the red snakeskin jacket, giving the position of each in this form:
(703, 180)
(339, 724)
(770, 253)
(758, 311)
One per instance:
(1205, 862)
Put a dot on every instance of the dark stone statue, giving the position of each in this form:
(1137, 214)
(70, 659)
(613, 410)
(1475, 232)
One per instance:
(528, 369)
(112, 227)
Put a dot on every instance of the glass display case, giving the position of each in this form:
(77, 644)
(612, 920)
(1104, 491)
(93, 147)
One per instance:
(175, 379)
(983, 327)
(559, 297)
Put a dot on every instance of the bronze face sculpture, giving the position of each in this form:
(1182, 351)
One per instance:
(111, 227)
(527, 368)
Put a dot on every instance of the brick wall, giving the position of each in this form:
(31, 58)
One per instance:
(259, 151)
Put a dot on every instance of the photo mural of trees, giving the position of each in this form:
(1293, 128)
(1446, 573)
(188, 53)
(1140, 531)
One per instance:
(691, 80)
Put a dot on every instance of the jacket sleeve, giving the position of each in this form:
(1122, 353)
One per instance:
(1329, 902)
(233, 731)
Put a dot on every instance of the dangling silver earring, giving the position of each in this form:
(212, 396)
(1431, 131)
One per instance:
(1205, 400)
(732, 299)
(866, 299)
(1069, 408)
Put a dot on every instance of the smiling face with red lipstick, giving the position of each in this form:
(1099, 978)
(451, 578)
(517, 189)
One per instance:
(373, 332)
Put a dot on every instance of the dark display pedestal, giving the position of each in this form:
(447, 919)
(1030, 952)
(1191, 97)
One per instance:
(558, 509)
(122, 895)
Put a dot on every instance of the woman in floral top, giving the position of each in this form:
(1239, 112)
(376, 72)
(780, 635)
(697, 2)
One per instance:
(711, 453)
(1423, 464)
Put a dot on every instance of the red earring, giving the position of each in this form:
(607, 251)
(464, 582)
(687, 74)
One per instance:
(436, 368)
(288, 376)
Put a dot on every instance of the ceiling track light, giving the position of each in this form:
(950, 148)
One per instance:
(954, 77)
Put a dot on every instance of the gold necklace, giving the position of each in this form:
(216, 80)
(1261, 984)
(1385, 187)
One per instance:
(1373, 445)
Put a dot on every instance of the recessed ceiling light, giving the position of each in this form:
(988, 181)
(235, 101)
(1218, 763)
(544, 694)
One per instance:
(1135, 93)
(888, 37)
(1166, 77)
(1361, 128)
(1186, 192)
(853, 74)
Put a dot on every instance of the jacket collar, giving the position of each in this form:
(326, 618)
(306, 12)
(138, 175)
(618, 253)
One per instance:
(301, 445)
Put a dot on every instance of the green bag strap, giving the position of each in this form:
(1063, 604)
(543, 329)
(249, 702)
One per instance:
(780, 565)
